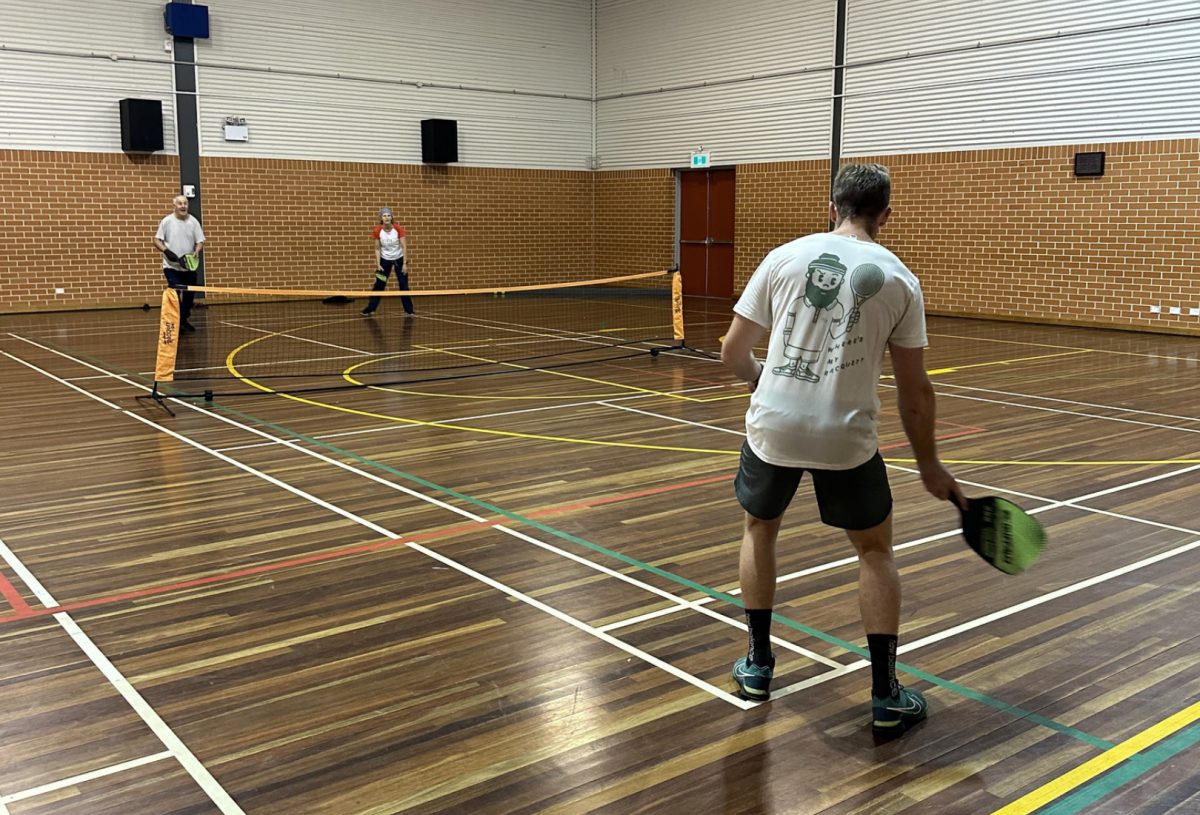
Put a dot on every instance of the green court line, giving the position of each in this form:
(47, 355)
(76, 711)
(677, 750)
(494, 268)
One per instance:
(954, 687)
(1121, 775)
(912, 670)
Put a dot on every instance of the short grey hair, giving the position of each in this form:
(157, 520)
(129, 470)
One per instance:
(862, 191)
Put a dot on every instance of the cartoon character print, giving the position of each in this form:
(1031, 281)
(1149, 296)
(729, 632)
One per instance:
(819, 317)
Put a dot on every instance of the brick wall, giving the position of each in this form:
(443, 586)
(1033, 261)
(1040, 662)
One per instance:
(995, 233)
(776, 203)
(82, 222)
(1013, 234)
(635, 221)
(307, 224)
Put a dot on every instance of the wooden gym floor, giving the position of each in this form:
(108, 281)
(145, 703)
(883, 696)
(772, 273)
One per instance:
(518, 594)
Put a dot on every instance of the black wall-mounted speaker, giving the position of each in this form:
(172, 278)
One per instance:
(439, 141)
(1089, 164)
(141, 125)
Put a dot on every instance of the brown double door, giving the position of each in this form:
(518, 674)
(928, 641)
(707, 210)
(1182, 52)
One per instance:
(706, 206)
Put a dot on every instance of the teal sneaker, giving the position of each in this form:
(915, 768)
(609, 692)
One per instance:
(754, 681)
(895, 714)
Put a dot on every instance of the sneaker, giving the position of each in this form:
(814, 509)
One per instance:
(366, 312)
(895, 714)
(186, 326)
(754, 681)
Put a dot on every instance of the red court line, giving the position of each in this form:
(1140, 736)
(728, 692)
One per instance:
(14, 597)
(626, 496)
(943, 437)
(25, 612)
(222, 577)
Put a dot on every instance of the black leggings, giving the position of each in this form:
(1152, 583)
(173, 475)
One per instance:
(381, 279)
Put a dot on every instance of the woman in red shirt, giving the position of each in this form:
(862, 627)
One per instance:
(389, 254)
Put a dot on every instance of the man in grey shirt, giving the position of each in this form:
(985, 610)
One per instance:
(180, 234)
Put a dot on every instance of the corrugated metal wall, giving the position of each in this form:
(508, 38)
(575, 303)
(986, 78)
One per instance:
(750, 81)
(928, 76)
(339, 81)
(60, 85)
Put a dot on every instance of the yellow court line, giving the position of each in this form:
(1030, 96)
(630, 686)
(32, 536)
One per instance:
(1078, 463)
(1060, 786)
(589, 379)
(936, 371)
(1072, 347)
(232, 368)
(346, 375)
(1013, 361)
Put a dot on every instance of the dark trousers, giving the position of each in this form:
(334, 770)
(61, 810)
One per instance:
(381, 283)
(182, 277)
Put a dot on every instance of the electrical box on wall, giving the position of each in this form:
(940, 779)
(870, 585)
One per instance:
(236, 129)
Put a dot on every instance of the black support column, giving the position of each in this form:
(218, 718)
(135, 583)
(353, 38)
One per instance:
(187, 131)
(839, 84)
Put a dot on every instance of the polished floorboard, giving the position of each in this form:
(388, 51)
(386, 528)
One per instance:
(517, 593)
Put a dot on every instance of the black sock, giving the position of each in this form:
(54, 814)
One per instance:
(758, 620)
(883, 665)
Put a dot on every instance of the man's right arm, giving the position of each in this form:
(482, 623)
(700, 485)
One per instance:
(918, 413)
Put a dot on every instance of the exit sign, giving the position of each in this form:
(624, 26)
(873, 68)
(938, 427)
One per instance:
(699, 160)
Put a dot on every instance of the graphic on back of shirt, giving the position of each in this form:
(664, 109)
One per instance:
(818, 316)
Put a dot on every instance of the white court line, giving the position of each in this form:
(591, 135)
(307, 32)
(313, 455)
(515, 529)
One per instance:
(1049, 504)
(854, 666)
(671, 669)
(174, 745)
(675, 419)
(595, 632)
(1046, 598)
(1066, 347)
(1057, 410)
(641, 618)
(539, 331)
(429, 499)
(681, 602)
(357, 355)
(996, 615)
(1072, 402)
(292, 336)
(83, 778)
(401, 426)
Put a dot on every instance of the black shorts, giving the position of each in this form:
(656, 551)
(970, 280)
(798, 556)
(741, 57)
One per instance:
(859, 498)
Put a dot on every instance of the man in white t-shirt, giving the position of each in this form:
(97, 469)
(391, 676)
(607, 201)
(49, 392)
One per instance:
(832, 303)
(179, 234)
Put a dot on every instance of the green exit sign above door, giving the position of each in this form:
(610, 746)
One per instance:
(699, 160)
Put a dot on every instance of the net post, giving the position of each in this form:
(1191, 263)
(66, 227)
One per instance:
(157, 398)
(168, 346)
